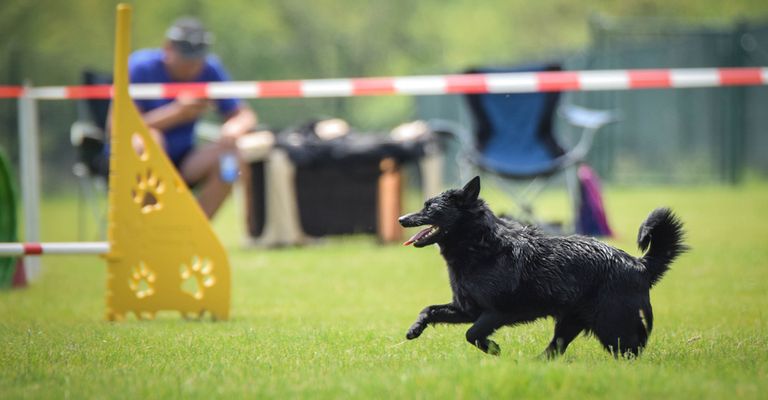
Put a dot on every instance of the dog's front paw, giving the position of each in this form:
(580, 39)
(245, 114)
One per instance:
(493, 348)
(415, 331)
(548, 354)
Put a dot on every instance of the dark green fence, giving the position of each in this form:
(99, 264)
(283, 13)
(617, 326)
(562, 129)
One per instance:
(7, 220)
(670, 135)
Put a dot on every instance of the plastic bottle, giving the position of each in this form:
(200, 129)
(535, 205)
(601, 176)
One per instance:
(228, 167)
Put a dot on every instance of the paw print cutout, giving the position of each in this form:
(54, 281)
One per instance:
(147, 191)
(197, 276)
(142, 281)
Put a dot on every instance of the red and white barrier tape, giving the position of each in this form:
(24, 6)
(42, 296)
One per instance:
(29, 249)
(514, 82)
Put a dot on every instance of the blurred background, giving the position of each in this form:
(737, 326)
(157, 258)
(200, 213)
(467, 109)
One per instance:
(328, 321)
(713, 135)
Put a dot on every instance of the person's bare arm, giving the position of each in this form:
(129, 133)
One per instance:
(238, 123)
(154, 132)
(182, 109)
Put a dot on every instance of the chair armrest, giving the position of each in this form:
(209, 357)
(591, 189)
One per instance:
(454, 130)
(590, 121)
(588, 118)
(82, 130)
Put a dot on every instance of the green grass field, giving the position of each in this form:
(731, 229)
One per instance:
(329, 322)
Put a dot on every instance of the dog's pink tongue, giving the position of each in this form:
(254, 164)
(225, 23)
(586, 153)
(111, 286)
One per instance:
(417, 236)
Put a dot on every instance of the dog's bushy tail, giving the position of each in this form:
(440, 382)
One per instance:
(662, 236)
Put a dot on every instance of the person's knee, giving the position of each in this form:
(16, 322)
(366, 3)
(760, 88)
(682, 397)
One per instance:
(158, 136)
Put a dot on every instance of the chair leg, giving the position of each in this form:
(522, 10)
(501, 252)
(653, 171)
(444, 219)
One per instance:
(81, 206)
(101, 208)
(572, 182)
(534, 188)
(92, 194)
(524, 198)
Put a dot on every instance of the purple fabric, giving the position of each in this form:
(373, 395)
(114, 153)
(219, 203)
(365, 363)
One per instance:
(592, 219)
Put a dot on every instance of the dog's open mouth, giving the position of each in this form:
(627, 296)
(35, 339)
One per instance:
(423, 237)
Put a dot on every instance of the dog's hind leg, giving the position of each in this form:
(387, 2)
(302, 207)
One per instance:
(484, 327)
(566, 329)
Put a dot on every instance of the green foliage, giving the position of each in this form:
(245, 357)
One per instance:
(329, 321)
(50, 42)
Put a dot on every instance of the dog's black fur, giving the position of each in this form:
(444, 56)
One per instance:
(503, 273)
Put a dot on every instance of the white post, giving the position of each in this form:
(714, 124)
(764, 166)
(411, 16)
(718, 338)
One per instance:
(19, 249)
(29, 154)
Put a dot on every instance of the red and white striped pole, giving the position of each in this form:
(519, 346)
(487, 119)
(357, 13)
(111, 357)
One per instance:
(512, 82)
(32, 249)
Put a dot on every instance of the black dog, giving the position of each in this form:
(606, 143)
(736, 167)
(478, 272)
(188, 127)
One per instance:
(504, 273)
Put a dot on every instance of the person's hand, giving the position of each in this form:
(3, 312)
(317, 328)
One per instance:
(237, 124)
(189, 107)
(138, 143)
(230, 131)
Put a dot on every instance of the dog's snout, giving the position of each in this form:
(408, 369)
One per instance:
(405, 220)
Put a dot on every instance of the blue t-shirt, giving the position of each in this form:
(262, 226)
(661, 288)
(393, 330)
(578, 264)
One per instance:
(146, 66)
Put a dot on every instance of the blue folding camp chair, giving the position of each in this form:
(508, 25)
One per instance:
(514, 140)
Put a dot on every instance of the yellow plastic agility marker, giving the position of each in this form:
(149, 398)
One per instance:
(163, 253)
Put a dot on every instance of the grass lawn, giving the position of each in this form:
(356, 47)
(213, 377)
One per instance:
(329, 321)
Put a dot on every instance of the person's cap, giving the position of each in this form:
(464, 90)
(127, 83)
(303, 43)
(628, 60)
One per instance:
(188, 36)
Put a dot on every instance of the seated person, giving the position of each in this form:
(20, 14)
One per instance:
(185, 58)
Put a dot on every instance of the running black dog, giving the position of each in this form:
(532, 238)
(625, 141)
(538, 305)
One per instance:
(504, 273)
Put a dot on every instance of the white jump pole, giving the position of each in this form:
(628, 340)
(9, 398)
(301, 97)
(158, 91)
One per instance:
(64, 248)
(29, 154)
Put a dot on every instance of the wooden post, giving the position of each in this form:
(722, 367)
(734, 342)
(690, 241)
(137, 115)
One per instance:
(389, 201)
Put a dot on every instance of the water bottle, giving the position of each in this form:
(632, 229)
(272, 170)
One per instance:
(228, 167)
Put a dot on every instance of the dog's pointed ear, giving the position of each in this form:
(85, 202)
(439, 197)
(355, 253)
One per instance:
(471, 190)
